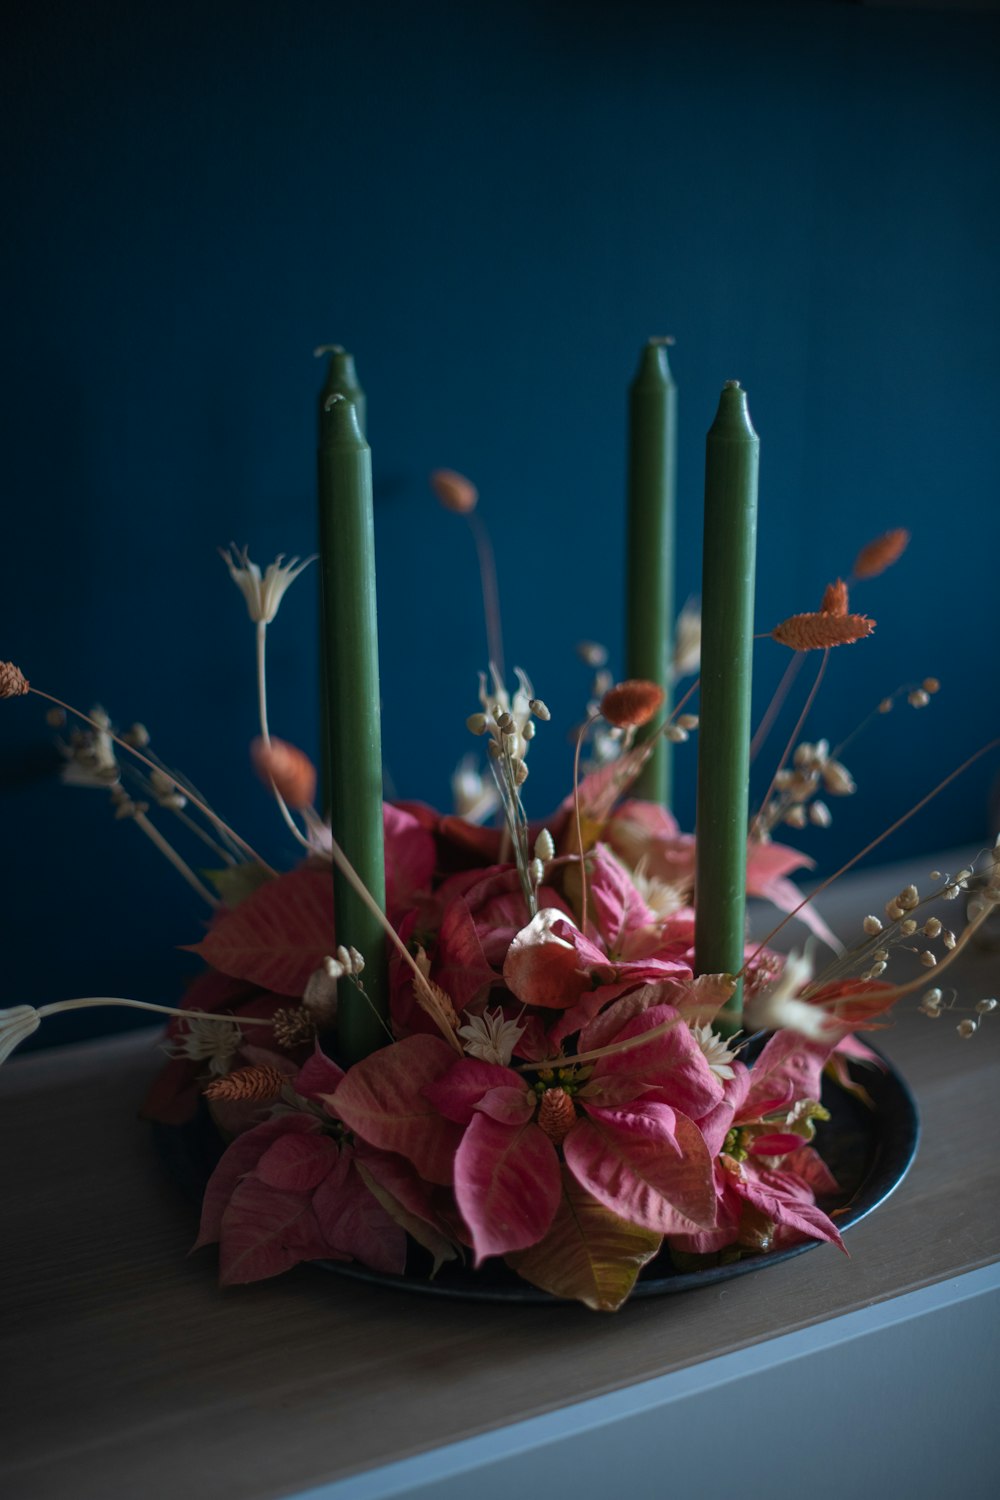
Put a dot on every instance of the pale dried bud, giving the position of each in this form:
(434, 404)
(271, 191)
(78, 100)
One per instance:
(909, 898)
(951, 893)
(675, 734)
(520, 773)
(948, 938)
(927, 959)
(838, 780)
(138, 736)
(529, 729)
(688, 721)
(537, 872)
(880, 955)
(918, 698)
(885, 706)
(476, 723)
(893, 911)
(985, 1006)
(505, 723)
(357, 962)
(872, 925)
(933, 997)
(592, 653)
(55, 718)
(932, 927)
(820, 814)
(876, 970)
(344, 960)
(545, 848)
(967, 1028)
(539, 709)
(931, 685)
(909, 927)
(795, 817)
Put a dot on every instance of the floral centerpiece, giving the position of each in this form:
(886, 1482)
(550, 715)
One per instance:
(526, 1056)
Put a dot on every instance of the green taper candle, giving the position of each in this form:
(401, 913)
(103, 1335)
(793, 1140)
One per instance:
(351, 705)
(728, 565)
(652, 471)
(341, 379)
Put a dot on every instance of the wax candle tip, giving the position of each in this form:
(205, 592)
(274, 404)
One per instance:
(731, 385)
(322, 349)
(662, 338)
(331, 401)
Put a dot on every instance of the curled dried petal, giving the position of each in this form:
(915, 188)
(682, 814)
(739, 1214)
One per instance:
(816, 631)
(881, 553)
(629, 704)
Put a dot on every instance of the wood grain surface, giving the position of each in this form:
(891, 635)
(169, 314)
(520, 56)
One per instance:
(128, 1373)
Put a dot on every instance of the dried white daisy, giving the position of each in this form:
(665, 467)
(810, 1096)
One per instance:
(207, 1041)
(490, 1037)
(714, 1051)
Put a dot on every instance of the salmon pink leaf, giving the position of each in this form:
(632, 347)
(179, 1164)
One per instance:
(789, 1203)
(512, 1105)
(626, 925)
(650, 1167)
(278, 936)
(318, 1076)
(382, 1099)
(507, 1185)
(421, 1226)
(589, 1253)
(460, 1089)
(669, 1067)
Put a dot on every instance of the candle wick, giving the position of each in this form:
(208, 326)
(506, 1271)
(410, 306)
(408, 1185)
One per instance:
(663, 338)
(322, 349)
(732, 385)
(331, 401)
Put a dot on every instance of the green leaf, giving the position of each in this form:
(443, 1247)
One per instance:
(235, 883)
(589, 1254)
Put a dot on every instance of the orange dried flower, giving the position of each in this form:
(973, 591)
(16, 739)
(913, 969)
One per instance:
(12, 680)
(287, 768)
(454, 491)
(248, 1085)
(629, 704)
(881, 553)
(556, 1115)
(835, 598)
(815, 632)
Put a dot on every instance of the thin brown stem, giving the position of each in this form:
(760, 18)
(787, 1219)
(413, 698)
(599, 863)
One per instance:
(195, 801)
(796, 731)
(774, 707)
(488, 584)
(825, 884)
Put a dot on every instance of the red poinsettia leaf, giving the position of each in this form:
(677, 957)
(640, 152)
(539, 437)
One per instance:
(627, 927)
(297, 1163)
(353, 1222)
(807, 1164)
(550, 963)
(777, 1143)
(507, 1185)
(410, 856)
(423, 1227)
(265, 1232)
(669, 1067)
(789, 1068)
(461, 967)
(457, 1092)
(650, 1167)
(382, 1099)
(238, 1161)
(785, 1200)
(318, 1075)
(511, 1105)
(589, 1254)
(278, 936)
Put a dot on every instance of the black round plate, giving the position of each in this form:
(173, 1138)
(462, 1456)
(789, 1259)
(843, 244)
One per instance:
(868, 1150)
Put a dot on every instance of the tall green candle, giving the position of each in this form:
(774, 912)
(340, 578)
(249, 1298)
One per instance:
(731, 462)
(652, 471)
(351, 704)
(340, 379)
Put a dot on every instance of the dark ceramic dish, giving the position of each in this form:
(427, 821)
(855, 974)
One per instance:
(868, 1151)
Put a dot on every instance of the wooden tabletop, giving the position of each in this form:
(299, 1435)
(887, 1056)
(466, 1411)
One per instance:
(129, 1373)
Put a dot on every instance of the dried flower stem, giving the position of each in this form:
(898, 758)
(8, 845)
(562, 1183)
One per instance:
(917, 806)
(202, 807)
(169, 852)
(774, 707)
(488, 584)
(164, 1010)
(265, 732)
(354, 880)
(793, 737)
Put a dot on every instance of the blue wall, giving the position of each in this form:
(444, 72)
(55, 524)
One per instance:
(493, 205)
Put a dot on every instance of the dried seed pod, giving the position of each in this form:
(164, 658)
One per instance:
(835, 598)
(12, 680)
(248, 1085)
(630, 704)
(817, 631)
(556, 1115)
(881, 553)
(454, 491)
